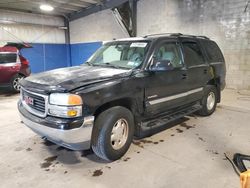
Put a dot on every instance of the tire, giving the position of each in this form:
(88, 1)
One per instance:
(209, 101)
(15, 83)
(111, 125)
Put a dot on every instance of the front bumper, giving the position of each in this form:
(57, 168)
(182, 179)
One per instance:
(75, 139)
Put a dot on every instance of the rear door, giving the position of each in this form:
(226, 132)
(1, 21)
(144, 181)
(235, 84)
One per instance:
(9, 66)
(166, 89)
(197, 69)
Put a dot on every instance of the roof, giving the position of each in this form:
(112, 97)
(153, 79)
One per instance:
(159, 35)
(8, 49)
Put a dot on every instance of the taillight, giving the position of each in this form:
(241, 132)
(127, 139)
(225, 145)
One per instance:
(24, 61)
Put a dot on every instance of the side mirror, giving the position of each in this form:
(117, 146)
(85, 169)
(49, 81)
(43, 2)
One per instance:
(161, 65)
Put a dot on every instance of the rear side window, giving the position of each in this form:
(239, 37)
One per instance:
(192, 54)
(8, 58)
(213, 51)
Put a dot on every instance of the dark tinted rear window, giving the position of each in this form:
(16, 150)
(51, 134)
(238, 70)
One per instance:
(7, 58)
(192, 54)
(213, 52)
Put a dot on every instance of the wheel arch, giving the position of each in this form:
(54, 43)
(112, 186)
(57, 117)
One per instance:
(216, 82)
(127, 102)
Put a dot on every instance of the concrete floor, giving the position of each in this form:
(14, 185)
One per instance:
(189, 154)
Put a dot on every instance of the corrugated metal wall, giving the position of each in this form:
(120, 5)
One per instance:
(42, 32)
(31, 28)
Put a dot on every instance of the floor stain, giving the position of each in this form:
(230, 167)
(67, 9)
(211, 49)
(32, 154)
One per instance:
(48, 162)
(144, 141)
(179, 130)
(137, 143)
(200, 138)
(126, 159)
(28, 149)
(186, 126)
(215, 153)
(97, 173)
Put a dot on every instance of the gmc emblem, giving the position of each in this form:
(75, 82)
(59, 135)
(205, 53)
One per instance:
(28, 100)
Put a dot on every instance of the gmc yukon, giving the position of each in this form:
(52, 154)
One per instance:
(128, 87)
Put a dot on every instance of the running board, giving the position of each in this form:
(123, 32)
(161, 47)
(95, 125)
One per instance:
(152, 126)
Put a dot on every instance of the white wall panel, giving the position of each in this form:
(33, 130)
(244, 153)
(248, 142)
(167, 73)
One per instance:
(99, 26)
(28, 32)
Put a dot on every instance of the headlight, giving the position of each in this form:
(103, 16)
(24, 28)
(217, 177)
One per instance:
(65, 105)
(65, 99)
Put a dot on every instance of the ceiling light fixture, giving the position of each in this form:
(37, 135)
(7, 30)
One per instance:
(46, 7)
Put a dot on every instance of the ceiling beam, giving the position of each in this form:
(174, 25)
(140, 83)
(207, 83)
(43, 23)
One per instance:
(106, 4)
(73, 3)
(91, 1)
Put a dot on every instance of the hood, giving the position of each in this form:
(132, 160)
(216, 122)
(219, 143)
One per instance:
(70, 78)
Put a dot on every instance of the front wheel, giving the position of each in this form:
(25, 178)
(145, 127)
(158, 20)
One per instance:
(113, 133)
(209, 101)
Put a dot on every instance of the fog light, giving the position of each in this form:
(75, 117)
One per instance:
(72, 113)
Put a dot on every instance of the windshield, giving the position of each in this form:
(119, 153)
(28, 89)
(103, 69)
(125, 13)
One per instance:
(8, 58)
(125, 54)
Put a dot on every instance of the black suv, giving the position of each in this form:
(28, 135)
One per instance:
(128, 87)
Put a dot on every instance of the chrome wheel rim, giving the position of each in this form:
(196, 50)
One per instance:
(210, 100)
(16, 84)
(119, 134)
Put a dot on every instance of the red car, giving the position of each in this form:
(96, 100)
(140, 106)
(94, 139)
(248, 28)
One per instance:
(13, 66)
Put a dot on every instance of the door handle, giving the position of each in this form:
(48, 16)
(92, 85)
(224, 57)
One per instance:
(205, 71)
(184, 76)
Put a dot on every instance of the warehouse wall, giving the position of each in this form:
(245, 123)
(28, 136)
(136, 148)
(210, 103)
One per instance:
(99, 26)
(47, 56)
(49, 49)
(87, 34)
(80, 52)
(222, 20)
(33, 28)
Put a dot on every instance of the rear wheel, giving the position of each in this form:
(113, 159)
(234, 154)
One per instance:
(15, 83)
(113, 133)
(209, 101)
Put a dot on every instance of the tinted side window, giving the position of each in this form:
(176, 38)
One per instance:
(8, 58)
(192, 54)
(213, 52)
(169, 52)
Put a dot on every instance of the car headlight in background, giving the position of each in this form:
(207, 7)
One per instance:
(65, 105)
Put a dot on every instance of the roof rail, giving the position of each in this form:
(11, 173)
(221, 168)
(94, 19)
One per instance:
(159, 34)
(196, 36)
(175, 34)
(201, 36)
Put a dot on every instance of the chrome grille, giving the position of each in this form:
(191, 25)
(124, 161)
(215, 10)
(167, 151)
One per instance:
(37, 103)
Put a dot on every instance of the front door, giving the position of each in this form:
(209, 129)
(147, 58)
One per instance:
(166, 89)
